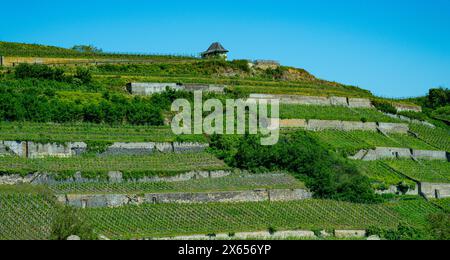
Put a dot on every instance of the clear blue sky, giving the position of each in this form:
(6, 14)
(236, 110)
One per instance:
(393, 48)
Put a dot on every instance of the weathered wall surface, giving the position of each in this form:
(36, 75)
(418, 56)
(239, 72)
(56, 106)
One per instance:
(393, 128)
(113, 177)
(118, 200)
(37, 150)
(320, 125)
(411, 108)
(409, 120)
(381, 153)
(152, 88)
(435, 190)
(395, 190)
(317, 101)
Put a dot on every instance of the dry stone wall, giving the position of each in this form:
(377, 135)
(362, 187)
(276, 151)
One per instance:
(435, 190)
(152, 88)
(317, 101)
(113, 177)
(38, 150)
(118, 200)
(321, 125)
(381, 153)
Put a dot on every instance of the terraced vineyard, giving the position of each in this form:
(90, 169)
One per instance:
(234, 182)
(90, 133)
(333, 113)
(356, 140)
(381, 175)
(25, 215)
(444, 203)
(131, 166)
(173, 219)
(423, 171)
(438, 137)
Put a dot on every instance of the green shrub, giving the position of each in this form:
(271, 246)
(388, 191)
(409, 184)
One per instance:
(84, 75)
(39, 71)
(439, 225)
(384, 106)
(69, 221)
(326, 175)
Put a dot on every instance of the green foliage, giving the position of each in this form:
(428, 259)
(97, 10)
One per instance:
(402, 232)
(333, 113)
(438, 97)
(414, 115)
(131, 166)
(37, 105)
(165, 220)
(87, 49)
(437, 137)
(425, 170)
(84, 75)
(69, 221)
(234, 182)
(325, 175)
(384, 106)
(439, 225)
(38, 71)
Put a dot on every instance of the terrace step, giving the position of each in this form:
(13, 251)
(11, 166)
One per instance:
(381, 153)
(119, 200)
(39, 150)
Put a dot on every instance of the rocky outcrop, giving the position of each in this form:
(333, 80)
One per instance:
(118, 200)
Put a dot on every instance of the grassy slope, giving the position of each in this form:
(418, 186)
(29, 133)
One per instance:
(37, 50)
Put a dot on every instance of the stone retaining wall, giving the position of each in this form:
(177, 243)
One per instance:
(152, 88)
(409, 120)
(435, 190)
(317, 101)
(321, 125)
(118, 200)
(38, 150)
(113, 177)
(381, 153)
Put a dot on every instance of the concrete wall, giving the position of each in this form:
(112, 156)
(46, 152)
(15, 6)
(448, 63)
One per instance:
(403, 107)
(381, 153)
(393, 128)
(37, 150)
(317, 101)
(435, 190)
(113, 177)
(118, 200)
(320, 125)
(409, 120)
(395, 190)
(152, 88)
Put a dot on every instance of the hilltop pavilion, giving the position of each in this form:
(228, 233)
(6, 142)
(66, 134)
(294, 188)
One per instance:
(216, 50)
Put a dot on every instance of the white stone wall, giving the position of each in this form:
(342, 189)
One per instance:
(381, 153)
(321, 125)
(153, 88)
(118, 200)
(435, 190)
(317, 101)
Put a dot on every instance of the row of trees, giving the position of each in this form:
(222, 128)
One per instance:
(46, 106)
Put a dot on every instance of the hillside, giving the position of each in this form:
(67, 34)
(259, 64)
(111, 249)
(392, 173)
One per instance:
(87, 137)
